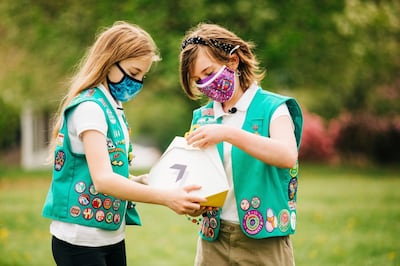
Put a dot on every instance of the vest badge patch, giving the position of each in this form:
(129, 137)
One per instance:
(60, 140)
(207, 112)
(59, 160)
(111, 116)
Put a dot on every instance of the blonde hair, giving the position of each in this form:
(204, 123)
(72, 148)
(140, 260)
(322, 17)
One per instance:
(217, 41)
(120, 41)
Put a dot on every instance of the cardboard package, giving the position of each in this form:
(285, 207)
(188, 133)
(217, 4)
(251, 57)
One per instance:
(182, 165)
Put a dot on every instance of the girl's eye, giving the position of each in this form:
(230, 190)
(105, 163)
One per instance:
(133, 74)
(137, 76)
(206, 75)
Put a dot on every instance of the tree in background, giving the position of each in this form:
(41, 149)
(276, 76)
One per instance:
(334, 56)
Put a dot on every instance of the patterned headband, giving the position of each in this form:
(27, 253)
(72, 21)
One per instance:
(228, 48)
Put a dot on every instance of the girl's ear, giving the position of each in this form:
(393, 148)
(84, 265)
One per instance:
(233, 62)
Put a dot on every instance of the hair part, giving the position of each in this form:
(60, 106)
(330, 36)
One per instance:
(248, 63)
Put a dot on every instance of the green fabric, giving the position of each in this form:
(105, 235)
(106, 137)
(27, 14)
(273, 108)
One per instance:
(72, 196)
(265, 195)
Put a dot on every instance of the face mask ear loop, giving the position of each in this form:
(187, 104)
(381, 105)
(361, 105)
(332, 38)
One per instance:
(234, 49)
(121, 69)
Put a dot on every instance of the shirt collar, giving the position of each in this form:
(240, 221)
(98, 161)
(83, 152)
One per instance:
(114, 103)
(242, 105)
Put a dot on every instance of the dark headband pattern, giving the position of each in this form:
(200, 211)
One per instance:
(228, 48)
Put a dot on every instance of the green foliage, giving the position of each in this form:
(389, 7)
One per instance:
(9, 125)
(166, 116)
(336, 225)
(332, 55)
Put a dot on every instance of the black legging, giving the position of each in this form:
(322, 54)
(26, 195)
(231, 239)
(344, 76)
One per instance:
(66, 254)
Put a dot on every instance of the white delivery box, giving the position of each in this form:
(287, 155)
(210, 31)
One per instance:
(182, 165)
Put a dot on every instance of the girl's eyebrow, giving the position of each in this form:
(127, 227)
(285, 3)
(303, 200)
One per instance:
(133, 69)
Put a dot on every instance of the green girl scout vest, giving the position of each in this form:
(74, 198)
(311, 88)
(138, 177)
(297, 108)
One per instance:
(72, 196)
(265, 195)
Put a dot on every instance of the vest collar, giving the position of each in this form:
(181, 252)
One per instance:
(242, 104)
(115, 104)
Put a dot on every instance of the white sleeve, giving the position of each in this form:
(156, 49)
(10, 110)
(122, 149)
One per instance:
(86, 116)
(282, 110)
(89, 116)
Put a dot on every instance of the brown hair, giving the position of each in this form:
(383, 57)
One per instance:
(114, 44)
(215, 39)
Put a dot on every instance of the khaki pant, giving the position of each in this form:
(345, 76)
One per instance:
(234, 248)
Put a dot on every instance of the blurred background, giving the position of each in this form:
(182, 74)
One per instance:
(339, 58)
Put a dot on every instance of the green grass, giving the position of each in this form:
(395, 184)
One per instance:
(346, 216)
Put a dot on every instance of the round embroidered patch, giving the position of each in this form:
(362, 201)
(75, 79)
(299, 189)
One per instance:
(293, 220)
(283, 220)
(117, 218)
(80, 187)
(93, 190)
(116, 204)
(96, 203)
(75, 211)
(255, 202)
(253, 222)
(245, 204)
(213, 223)
(107, 203)
(100, 215)
(210, 233)
(87, 213)
(84, 199)
(272, 221)
(109, 217)
(206, 222)
(295, 170)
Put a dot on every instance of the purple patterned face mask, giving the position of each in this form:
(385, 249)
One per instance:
(219, 86)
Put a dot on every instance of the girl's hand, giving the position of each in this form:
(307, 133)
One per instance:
(182, 202)
(206, 135)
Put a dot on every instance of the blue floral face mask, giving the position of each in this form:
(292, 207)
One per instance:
(126, 89)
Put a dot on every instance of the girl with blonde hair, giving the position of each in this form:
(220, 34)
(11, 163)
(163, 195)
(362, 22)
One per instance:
(90, 196)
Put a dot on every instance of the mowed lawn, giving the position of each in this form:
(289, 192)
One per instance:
(346, 216)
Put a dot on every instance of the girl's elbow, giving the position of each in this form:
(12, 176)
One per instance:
(290, 161)
(100, 184)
